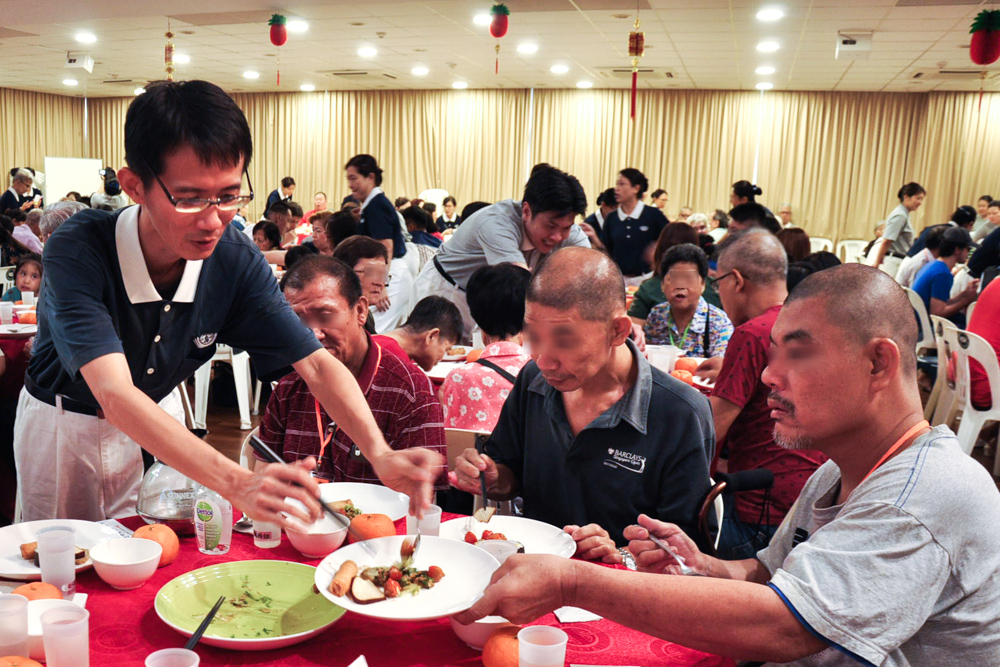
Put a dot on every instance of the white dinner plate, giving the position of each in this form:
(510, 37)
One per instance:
(18, 330)
(704, 383)
(369, 498)
(12, 566)
(458, 357)
(536, 536)
(467, 572)
(441, 370)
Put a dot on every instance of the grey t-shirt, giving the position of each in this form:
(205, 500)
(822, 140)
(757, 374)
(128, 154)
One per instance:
(907, 571)
(898, 230)
(493, 235)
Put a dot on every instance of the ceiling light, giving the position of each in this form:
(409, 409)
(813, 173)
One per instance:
(419, 71)
(86, 37)
(770, 14)
(182, 58)
(482, 19)
(764, 85)
(559, 69)
(584, 84)
(139, 91)
(367, 52)
(250, 74)
(70, 82)
(527, 48)
(764, 70)
(460, 85)
(307, 87)
(768, 46)
(297, 25)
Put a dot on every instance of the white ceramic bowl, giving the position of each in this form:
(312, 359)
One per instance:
(36, 647)
(475, 634)
(127, 563)
(318, 540)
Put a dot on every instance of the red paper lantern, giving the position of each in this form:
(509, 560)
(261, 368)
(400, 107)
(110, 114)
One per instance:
(279, 31)
(501, 19)
(985, 46)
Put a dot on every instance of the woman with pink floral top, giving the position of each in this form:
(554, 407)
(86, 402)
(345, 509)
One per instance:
(473, 394)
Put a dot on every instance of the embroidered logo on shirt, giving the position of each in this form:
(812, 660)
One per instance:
(625, 461)
(205, 340)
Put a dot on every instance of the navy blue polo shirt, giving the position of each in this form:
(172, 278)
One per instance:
(648, 453)
(97, 299)
(627, 238)
(380, 221)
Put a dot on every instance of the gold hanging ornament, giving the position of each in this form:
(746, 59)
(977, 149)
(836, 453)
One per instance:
(636, 45)
(168, 53)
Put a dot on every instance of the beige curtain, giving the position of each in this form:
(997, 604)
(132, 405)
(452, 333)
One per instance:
(106, 130)
(35, 125)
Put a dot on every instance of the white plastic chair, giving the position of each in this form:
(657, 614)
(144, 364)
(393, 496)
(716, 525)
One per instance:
(972, 346)
(851, 250)
(8, 277)
(942, 406)
(926, 342)
(819, 244)
(240, 361)
(246, 451)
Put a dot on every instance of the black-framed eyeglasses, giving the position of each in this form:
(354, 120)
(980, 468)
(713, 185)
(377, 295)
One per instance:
(197, 205)
(719, 279)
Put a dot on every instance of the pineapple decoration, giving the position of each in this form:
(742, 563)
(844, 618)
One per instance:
(498, 28)
(985, 46)
(168, 53)
(636, 46)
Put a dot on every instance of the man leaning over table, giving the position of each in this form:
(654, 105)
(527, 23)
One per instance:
(134, 301)
(591, 434)
(889, 557)
(327, 296)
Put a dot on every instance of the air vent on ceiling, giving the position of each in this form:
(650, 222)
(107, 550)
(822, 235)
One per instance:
(361, 76)
(950, 75)
(626, 72)
(121, 81)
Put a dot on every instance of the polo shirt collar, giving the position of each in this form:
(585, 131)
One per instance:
(699, 321)
(632, 408)
(503, 348)
(451, 219)
(135, 274)
(369, 368)
(599, 216)
(636, 212)
(371, 195)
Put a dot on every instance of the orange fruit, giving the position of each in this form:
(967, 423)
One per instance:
(367, 526)
(683, 376)
(27, 317)
(165, 536)
(500, 650)
(38, 590)
(686, 364)
(18, 661)
(472, 356)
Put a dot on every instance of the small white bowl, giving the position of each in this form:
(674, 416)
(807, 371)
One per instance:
(475, 634)
(36, 647)
(316, 540)
(127, 563)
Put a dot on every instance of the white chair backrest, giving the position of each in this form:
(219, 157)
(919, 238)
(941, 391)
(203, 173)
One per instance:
(818, 244)
(968, 313)
(435, 196)
(8, 277)
(246, 451)
(457, 440)
(946, 408)
(851, 250)
(973, 346)
(926, 333)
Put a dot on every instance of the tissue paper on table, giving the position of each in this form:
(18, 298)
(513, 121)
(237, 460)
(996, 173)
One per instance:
(575, 615)
(360, 662)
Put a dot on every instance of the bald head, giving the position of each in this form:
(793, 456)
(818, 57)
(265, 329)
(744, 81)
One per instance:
(757, 255)
(865, 303)
(580, 278)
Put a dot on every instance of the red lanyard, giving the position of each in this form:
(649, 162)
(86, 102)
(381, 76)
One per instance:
(324, 441)
(922, 424)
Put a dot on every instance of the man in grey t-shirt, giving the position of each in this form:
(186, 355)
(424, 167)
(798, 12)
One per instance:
(890, 556)
(520, 232)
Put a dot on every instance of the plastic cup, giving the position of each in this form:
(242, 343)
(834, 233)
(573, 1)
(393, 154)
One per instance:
(173, 657)
(429, 525)
(6, 312)
(65, 632)
(56, 552)
(499, 549)
(662, 357)
(266, 535)
(541, 646)
(13, 625)
(28, 298)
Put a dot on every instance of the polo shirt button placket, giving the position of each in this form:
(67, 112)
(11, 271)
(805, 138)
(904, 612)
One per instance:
(150, 371)
(157, 338)
(166, 308)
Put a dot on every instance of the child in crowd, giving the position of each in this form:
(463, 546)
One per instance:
(27, 277)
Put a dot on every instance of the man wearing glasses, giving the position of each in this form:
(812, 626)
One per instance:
(134, 301)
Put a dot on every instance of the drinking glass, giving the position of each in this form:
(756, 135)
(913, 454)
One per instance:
(66, 637)
(13, 625)
(56, 556)
(541, 646)
(173, 657)
(429, 525)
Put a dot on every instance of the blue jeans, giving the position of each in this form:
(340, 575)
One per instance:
(740, 540)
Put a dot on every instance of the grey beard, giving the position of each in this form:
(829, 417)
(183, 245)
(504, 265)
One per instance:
(793, 444)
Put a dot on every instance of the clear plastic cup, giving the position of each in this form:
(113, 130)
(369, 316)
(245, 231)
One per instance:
(173, 657)
(266, 535)
(28, 298)
(13, 625)
(65, 632)
(499, 549)
(541, 646)
(662, 357)
(429, 525)
(56, 557)
(6, 312)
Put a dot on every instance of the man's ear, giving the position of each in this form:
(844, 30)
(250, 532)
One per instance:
(621, 327)
(739, 282)
(362, 310)
(431, 336)
(132, 185)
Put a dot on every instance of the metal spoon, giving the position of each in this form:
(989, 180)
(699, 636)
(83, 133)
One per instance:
(685, 569)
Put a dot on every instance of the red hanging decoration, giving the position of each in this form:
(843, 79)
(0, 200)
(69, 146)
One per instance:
(279, 35)
(636, 47)
(498, 28)
(168, 53)
(984, 49)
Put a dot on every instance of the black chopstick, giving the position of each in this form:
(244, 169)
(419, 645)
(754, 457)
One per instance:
(269, 454)
(204, 624)
(481, 448)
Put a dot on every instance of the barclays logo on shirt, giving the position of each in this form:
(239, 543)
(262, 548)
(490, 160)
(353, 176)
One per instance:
(204, 340)
(625, 461)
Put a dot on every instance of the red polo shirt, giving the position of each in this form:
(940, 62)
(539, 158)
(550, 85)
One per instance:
(400, 397)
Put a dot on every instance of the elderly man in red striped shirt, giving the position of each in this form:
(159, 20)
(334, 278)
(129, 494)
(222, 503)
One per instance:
(326, 295)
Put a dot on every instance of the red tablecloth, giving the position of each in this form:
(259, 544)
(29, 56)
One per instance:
(124, 628)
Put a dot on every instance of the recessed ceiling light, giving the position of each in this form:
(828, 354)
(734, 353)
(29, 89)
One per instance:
(297, 25)
(764, 85)
(139, 91)
(559, 69)
(182, 58)
(527, 48)
(419, 71)
(770, 14)
(70, 82)
(764, 70)
(460, 85)
(367, 52)
(86, 37)
(768, 46)
(250, 74)
(584, 84)
(307, 87)
(482, 19)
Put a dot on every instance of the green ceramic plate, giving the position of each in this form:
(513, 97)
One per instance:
(269, 604)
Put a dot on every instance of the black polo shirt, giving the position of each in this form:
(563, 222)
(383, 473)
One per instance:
(627, 238)
(380, 221)
(97, 299)
(649, 453)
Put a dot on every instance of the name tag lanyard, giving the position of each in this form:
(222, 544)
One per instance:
(325, 440)
(922, 424)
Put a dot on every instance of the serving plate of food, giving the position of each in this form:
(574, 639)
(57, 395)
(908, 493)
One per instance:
(268, 604)
(367, 498)
(536, 537)
(457, 353)
(17, 555)
(375, 578)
